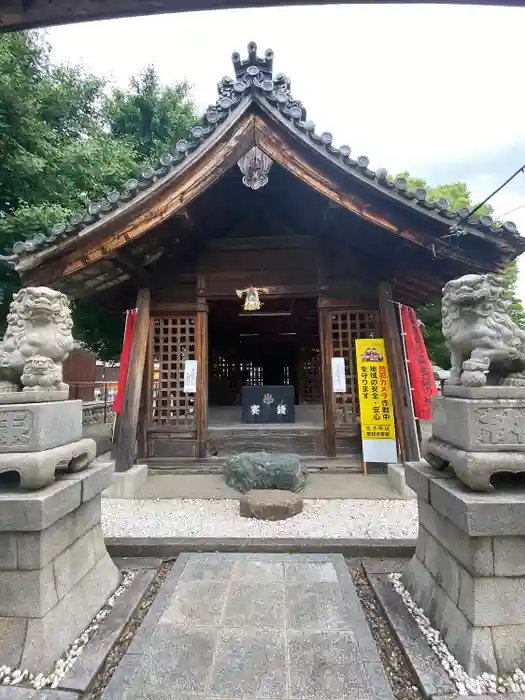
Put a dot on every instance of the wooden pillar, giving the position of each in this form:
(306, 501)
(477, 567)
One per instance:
(405, 424)
(201, 398)
(145, 403)
(126, 437)
(325, 335)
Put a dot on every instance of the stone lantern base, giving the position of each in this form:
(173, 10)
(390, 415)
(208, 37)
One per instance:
(55, 572)
(468, 573)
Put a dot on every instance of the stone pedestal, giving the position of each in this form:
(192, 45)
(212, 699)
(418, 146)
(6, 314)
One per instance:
(36, 439)
(55, 572)
(468, 573)
(270, 505)
(479, 432)
(127, 484)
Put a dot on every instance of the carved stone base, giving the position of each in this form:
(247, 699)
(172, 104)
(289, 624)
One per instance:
(33, 427)
(38, 396)
(459, 391)
(487, 423)
(468, 573)
(475, 469)
(55, 571)
(37, 469)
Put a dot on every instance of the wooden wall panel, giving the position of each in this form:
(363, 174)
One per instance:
(347, 326)
(80, 373)
(261, 262)
(173, 341)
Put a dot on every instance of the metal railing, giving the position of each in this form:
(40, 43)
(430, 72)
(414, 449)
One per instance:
(97, 399)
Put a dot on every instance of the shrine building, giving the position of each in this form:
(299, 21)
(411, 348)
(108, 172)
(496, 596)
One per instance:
(260, 250)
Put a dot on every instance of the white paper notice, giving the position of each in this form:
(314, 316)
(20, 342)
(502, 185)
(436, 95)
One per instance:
(338, 375)
(190, 376)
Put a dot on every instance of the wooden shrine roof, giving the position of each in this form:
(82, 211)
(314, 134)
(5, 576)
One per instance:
(27, 14)
(255, 107)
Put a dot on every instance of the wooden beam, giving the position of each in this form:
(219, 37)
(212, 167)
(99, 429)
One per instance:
(325, 332)
(126, 439)
(405, 424)
(201, 399)
(16, 15)
(125, 261)
(145, 407)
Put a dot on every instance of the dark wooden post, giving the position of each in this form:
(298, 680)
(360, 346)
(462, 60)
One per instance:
(325, 334)
(201, 398)
(145, 403)
(126, 437)
(405, 424)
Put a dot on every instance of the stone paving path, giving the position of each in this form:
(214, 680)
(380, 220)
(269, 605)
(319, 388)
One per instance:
(253, 627)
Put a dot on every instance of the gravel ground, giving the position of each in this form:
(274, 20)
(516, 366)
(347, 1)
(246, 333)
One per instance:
(399, 674)
(201, 518)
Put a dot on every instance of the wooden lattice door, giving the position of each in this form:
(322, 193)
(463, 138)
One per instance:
(309, 378)
(173, 341)
(346, 327)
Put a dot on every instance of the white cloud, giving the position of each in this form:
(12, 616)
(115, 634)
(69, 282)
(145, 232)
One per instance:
(418, 87)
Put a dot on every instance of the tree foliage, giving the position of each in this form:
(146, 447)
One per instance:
(67, 138)
(458, 194)
(150, 116)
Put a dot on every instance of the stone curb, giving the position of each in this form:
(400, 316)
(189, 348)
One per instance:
(92, 658)
(10, 692)
(431, 676)
(166, 547)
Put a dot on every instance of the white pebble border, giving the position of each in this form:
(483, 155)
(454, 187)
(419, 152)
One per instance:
(12, 676)
(366, 519)
(486, 684)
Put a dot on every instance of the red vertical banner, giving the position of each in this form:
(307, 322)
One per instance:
(419, 367)
(124, 361)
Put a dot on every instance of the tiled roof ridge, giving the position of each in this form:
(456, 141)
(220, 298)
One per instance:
(255, 74)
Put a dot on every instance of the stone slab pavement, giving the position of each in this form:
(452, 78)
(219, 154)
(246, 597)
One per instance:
(253, 627)
(213, 486)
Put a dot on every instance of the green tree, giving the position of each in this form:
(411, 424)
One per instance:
(515, 308)
(66, 138)
(457, 193)
(149, 116)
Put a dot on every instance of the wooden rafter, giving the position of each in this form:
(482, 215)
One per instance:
(29, 14)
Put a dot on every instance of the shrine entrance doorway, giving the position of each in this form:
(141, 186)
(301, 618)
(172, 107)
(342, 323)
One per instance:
(264, 377)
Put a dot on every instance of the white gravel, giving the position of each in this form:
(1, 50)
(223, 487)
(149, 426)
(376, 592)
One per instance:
(16, 676)
(486, 684)
(395, 519)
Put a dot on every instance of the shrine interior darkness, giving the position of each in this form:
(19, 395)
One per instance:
(278, 345)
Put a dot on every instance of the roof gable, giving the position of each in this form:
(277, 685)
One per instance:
(253, 83)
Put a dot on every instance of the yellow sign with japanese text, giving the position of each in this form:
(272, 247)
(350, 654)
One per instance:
(375, 401)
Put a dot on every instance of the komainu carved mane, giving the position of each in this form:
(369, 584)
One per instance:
(37, 341)
(486, 345)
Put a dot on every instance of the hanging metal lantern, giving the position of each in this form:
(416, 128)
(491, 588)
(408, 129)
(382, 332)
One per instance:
(255, 166)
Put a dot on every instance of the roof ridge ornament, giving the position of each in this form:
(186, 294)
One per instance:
(253, 65)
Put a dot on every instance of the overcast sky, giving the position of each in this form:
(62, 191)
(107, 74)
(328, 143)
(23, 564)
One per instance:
(429, 89)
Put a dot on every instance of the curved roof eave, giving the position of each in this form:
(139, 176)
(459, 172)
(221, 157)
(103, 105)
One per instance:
(254, 82)
(138, 195)
(394, 191)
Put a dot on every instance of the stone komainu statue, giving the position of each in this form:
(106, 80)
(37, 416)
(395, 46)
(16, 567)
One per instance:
(486, 346)
(37, 341)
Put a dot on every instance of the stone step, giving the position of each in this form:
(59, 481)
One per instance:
(351, 464)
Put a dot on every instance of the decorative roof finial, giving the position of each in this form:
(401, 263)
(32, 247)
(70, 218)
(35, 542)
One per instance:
(253, 65)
